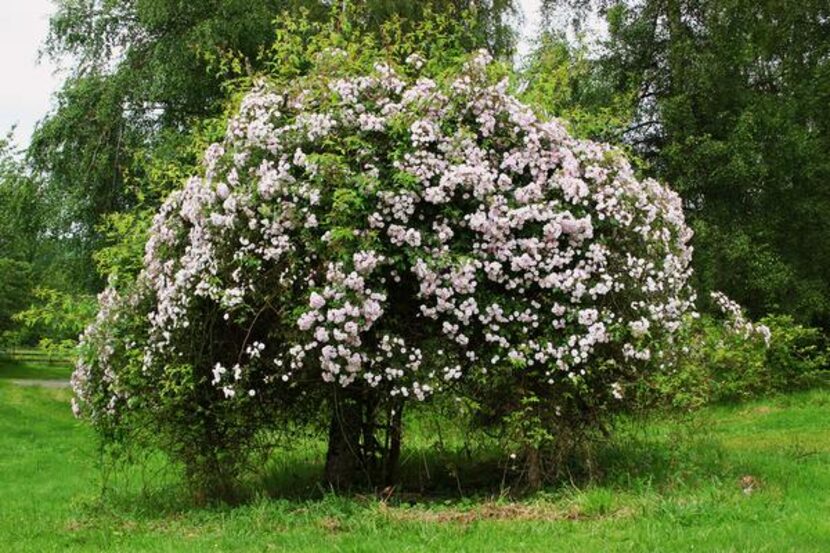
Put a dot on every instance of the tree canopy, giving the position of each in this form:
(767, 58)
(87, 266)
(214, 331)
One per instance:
(728, 101)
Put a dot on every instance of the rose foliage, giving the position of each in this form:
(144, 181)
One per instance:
(383, 236)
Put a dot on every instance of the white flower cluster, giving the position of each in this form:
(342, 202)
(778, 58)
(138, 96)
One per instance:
(413, 233)
(737, 320)
(96, 381)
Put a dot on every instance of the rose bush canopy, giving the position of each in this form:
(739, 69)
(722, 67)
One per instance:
(396, 232)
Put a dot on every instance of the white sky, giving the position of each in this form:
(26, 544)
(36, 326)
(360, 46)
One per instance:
(27, 86)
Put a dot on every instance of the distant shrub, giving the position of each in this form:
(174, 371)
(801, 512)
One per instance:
(55, 318)
(797, 357)
(15, 294)
(736, 360)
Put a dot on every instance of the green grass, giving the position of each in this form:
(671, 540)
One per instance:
(671, 485)
(31, 365)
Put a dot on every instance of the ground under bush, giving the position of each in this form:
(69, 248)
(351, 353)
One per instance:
(749, 477)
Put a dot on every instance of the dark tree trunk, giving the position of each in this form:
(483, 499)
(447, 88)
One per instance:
(371, 448)
(393, 451)
(534, 469)
(345, 464)
(355, 457)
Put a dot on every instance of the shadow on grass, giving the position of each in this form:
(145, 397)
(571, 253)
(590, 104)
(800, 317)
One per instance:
(638, 458)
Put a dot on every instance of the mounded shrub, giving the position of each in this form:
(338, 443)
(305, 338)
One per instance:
(371, 234)
(735, 359)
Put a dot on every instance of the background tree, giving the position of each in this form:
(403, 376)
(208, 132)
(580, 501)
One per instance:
(38, 298)
(19, 223)
(563, 79)
(728, 100)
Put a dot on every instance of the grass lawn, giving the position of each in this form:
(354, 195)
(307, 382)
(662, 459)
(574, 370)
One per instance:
(32, 365)
(752, 477)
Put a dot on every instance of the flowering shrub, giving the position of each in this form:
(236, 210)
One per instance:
(734, 358)
(388, 235)
(737, 320)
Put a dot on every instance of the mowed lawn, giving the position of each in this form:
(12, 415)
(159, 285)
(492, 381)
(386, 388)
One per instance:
(34, 365)
(752, 477)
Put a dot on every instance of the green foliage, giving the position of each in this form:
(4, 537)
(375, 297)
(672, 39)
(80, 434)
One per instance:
(19, 225)
(729, 100)
(563, 80)
(718, 364)
(36, 262)
(125, 235)
(161, 169)
(797, 356)
(82, 148)
(141, 72)
(57, 317)
(20, 213)
(15, 294)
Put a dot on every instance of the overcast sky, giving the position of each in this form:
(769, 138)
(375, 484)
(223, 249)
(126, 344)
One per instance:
(27, 86)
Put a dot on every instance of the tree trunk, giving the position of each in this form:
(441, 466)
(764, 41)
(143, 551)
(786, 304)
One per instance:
(534, 469)
(355, 457)
(344, 459)
(393, 452)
